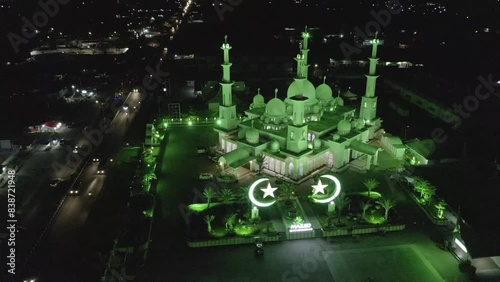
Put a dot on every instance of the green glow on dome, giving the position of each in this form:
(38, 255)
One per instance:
(219, 122)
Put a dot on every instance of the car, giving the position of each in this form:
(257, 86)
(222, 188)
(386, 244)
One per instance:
(96, 157)
(214, 159)
(63, 142)
(101, 169)
(76, 149)
(201, 150)
(75, 189)
(206, 176)
(55, 182)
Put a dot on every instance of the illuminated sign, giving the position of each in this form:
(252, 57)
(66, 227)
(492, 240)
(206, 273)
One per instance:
(300, 227)
(268, 192)
(320, 189)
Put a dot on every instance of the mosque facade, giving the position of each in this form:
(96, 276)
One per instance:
(306, 131)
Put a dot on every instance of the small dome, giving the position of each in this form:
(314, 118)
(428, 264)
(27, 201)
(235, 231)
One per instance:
(344, 127)
(360, 123)
(252, 136)
(275, 146)
(275, 108)
(301, 87)
(258, 100)
(336, 137)
(339, 101)
(324, 91)
(315, 109)
(317, 143)
(242, 133)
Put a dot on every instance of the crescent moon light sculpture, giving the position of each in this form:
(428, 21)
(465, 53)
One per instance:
(334, 195)
(252, 197)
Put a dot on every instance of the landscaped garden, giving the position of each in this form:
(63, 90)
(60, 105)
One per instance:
(356, 209)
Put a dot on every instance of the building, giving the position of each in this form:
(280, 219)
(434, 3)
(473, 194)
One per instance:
(307, 131)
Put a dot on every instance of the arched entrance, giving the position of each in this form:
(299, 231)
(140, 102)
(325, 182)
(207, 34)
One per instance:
(290, 170)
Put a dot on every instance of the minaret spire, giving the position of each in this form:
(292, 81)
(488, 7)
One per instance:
(226, 75)
(324, 79)
(227, 111)
(368, 108)
(305, 52)
(276, 93)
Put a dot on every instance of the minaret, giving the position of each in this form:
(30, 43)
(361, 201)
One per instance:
(300, 67)
(368, 108)
(305, 53)
(227, 111)
(297, 131)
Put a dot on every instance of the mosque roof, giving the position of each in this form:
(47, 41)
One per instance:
(276, 108)
(301, 87)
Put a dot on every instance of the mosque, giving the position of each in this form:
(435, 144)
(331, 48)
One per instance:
(307, 131)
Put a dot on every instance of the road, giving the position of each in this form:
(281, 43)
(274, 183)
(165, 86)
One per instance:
(62, 238)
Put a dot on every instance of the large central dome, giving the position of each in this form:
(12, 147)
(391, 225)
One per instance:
(301, 87)
(275, 108)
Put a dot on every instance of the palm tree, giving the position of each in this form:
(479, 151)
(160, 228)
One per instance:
(387, 204)
(286, 190)
(209, 193)
(441, 206)
(146, 181)
(149, 159)
(260, 159)
(208, 219)
(371, 184)
(230, 220)
(364, 207)
(227, 195)
(425, 188)
(341, 202)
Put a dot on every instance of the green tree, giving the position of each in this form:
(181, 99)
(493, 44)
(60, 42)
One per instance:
(208, 219)
(209, 194)
(364, 207)
(341, 202)
(371, 184)
(260, 159)
(387, 204)
(286, 190)
(227, 196)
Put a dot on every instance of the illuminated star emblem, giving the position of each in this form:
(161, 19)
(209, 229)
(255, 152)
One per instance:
(269, 191)
(319, 188)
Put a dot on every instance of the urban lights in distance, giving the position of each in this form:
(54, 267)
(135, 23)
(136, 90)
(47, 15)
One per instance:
(325, 193)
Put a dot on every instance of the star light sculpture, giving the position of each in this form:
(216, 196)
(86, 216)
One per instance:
(269, 191)
(319, 188)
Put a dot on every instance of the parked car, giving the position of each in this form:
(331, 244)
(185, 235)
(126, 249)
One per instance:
(55, 182)
(201, 150)
(214, 159)
(206, 176)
